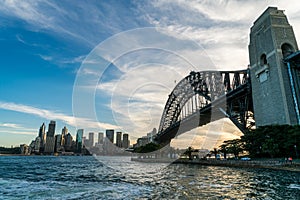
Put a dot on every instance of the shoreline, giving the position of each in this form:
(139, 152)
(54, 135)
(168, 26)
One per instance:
(263, 164)
(4, 154)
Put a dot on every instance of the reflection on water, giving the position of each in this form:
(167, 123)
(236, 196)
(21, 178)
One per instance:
(48, 177)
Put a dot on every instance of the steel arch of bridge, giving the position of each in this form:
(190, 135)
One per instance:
(195, 95)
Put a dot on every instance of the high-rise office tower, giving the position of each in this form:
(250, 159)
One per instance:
(42, 135)
(86, 142)
(119, 139)
(51, 129)
(126, 141)
(100, 138)
(50, 144)
(64, 132)
(110, 135)
(79, 139)
(69, 141)
(42, 130)
(58, 146)
(91, 139)
(37, 145)
(50, 140)
(151, 135)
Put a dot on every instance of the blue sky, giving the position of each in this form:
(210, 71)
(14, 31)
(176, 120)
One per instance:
(111, 64)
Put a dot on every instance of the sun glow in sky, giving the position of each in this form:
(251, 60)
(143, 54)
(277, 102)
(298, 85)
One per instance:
(111, 64)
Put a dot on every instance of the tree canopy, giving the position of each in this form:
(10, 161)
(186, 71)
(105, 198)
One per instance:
(268, 141)
(150, 147)
(13, 150)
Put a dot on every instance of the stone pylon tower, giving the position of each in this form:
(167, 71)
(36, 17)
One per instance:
(275, 84)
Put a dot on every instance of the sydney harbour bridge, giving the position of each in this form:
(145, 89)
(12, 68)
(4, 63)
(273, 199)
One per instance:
(202, 97)
(265, 93)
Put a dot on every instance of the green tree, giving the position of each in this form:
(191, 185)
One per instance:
(150, 147)
(188, 152)
(215, 152)
(270, 147)
(233, 146)
(272, 141)
(223, 149)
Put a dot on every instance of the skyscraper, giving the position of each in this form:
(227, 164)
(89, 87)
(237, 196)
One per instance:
(58, 146)
(49, 146)
(42, 135)
(79, 139)
(91, 139)
(86, 142)
(64, 132)
(126, 141)
(110, 135)
(119, 139)
(51, 129)
(69, 140)
(151, 135)
(50, 140)
(42, 130)
(37, 145)
(100, 138)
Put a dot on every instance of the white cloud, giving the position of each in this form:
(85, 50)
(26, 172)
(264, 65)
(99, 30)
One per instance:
(18, 132)
(10, 125)
(209, 136)
(42, 15)
(78, 59)
(52, 115)
(147, 64)
(45, 57)
(221, 26)
(137, 98)
(85, 23)
(12, 128)
(223, 10)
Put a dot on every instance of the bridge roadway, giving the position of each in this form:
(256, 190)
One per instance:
(218, 109)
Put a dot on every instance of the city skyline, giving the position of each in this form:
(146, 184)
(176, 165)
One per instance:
(44, 44)
(52, 143)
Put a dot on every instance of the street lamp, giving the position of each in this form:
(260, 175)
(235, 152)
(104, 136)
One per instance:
(296, 151)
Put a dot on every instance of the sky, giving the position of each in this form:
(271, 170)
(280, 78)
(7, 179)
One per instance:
(101, 65)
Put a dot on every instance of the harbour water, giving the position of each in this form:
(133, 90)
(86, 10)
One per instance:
(88, 177)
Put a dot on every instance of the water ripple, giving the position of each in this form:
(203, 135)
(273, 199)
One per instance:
(38, 177)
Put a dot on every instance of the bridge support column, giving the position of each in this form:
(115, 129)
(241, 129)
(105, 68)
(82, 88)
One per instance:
(271, 40)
